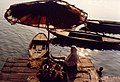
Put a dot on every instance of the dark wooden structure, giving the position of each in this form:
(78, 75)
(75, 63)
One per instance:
(16, 70)
(86, 72)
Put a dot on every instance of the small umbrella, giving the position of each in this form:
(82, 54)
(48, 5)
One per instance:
(48, 14)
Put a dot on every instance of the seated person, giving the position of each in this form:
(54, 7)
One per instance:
(100, 71)
(70, 61)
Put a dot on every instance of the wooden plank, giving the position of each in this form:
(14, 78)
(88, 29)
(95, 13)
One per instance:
(5, 81)
(17, 60)
(85, 60)
(15, 64)
(14, 80)
(82, 76)
(94, 76)
(6, 76)
(87, 71)
(84, 63)
(18, 70)
(110, 79)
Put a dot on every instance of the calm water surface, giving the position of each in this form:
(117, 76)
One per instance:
(15, 39)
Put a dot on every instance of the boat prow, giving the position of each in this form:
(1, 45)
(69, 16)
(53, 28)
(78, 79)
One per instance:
(38, 46)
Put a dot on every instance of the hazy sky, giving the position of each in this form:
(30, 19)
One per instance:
(96, 9)
(100, 9)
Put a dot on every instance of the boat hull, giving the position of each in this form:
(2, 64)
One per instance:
(103, 27)
(38, 46)
(85, 41)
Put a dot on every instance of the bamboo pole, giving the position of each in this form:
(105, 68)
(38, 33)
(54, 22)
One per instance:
(47, 24)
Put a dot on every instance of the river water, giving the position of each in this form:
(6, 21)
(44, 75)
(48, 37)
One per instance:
(15, 39)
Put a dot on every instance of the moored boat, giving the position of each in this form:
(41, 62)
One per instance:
(88, 40)
(110, 27)
(38, 46)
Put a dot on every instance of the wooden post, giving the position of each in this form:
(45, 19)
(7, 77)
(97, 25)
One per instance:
(48, 37)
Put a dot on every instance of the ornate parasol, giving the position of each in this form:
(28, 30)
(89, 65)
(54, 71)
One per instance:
(59, 14)
(46, 14)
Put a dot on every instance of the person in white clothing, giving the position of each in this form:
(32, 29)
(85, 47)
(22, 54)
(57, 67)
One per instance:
(70, 62)
(73, 57)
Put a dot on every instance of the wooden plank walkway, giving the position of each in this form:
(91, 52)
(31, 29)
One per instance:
(110, 79)
(16, 70)
(86, 72)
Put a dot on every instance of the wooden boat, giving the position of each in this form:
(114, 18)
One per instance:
(38, 46)
(110, 27)
(86, 40)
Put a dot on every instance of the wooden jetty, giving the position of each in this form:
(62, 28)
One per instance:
(16, 70)
(110, 79)
(86, 72)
